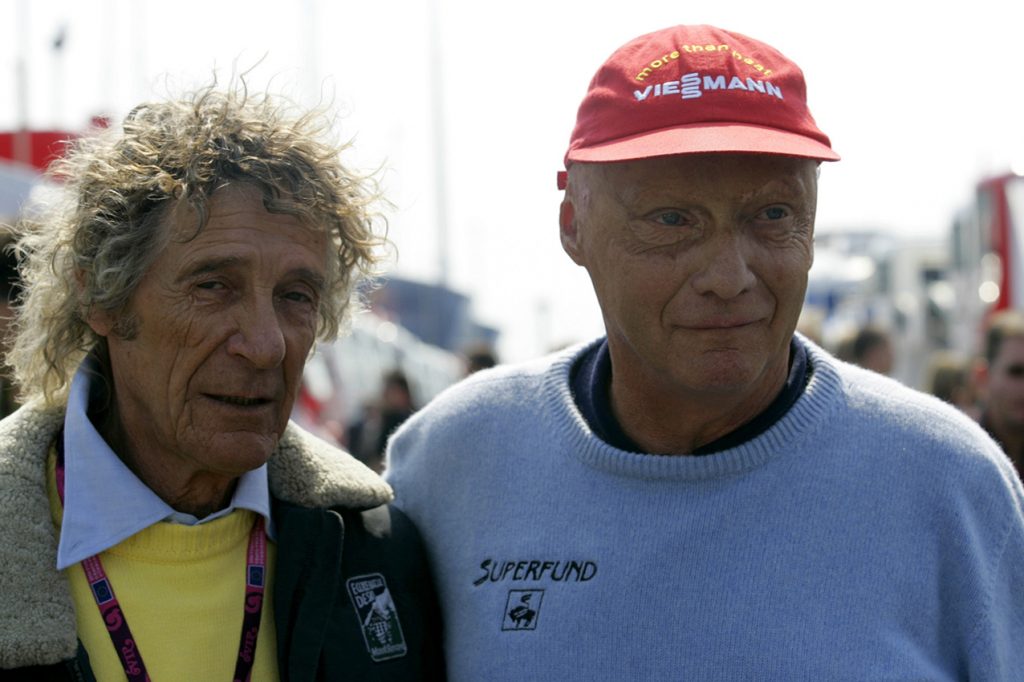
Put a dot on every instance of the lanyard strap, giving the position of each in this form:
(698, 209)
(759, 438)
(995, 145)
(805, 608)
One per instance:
(117, 624)
(255, 570)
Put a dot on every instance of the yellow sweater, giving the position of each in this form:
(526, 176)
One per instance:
(181, 589)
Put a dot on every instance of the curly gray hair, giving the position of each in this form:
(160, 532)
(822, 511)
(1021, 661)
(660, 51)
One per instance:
(89, 249)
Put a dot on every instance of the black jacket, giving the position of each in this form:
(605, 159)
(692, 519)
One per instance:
(320, 628)
(335, 564)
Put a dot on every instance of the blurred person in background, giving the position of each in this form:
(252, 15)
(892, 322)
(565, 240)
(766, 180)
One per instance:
(1000, 381)
(162, 517)
(950, 378)
(479, 356)
(368, 437)
(869, 347)
(9, 285)
(701, 493)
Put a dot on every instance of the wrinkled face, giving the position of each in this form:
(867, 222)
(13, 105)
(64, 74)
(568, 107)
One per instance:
(699, 263)
(223, 323)
(1003, 385)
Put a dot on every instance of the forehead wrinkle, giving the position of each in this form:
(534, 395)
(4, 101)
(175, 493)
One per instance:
(210, 264)
(645, 181)
(219, 264)
(599, 180)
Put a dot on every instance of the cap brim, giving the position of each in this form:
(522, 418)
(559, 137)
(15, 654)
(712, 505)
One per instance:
(703, 138)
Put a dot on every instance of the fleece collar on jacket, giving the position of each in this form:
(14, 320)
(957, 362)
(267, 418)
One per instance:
(37, 617)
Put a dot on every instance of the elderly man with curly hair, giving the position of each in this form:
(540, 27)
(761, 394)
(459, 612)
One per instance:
(162, 517)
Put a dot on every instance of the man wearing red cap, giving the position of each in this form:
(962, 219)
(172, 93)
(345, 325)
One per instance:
(703, 494)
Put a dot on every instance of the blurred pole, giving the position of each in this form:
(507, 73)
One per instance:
(437, 107)
(542, 313)
(309, 38)
(22, 145)
(437, 102)
(57, 93)
(140, 50)
(110, 61)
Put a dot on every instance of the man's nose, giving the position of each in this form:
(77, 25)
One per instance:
(725, 271)
(258, 336)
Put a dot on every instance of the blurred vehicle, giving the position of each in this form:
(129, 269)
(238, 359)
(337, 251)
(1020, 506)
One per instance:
(344, 376)
(986, 258)
(873, 278)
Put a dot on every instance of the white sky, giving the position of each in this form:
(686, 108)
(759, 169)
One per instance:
(919, 100)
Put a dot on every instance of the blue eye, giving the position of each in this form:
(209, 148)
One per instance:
(774, 213)
(671, 218)
(298, 297)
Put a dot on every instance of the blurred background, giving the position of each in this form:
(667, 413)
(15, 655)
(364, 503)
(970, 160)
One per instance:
(465, 109)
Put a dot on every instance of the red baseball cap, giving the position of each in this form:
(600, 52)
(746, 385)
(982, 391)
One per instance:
(695, 89)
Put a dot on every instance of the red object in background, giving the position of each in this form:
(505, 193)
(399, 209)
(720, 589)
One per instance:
(1003, 240)
(35, 148)
(986, 266)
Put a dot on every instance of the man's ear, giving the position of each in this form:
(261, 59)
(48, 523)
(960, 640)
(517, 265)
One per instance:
(569, 232)
(100, 321)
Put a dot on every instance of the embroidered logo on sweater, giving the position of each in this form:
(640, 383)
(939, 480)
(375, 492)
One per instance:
(535, 570)
(528, 580)
(378, 617)
(522, 609)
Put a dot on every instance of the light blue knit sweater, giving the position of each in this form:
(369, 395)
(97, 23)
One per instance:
(872, 534)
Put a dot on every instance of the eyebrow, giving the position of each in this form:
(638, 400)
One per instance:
(209, 265)
(227, 262)
(318, 281)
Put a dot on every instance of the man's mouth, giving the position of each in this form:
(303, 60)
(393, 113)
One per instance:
(718, 325)
(240, 401)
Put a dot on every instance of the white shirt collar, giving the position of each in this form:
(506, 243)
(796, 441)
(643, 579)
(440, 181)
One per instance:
(105, 503)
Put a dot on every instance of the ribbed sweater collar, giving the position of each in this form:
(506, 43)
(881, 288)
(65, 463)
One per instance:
(808, 415)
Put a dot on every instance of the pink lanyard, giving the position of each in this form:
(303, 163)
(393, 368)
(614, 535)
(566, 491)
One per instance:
(117, 625)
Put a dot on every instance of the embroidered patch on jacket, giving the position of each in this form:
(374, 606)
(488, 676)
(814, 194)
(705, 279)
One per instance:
(378, 617)
(522, 609)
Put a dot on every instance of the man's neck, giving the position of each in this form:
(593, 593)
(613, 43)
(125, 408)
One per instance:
(650, 412)
(197, 493)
